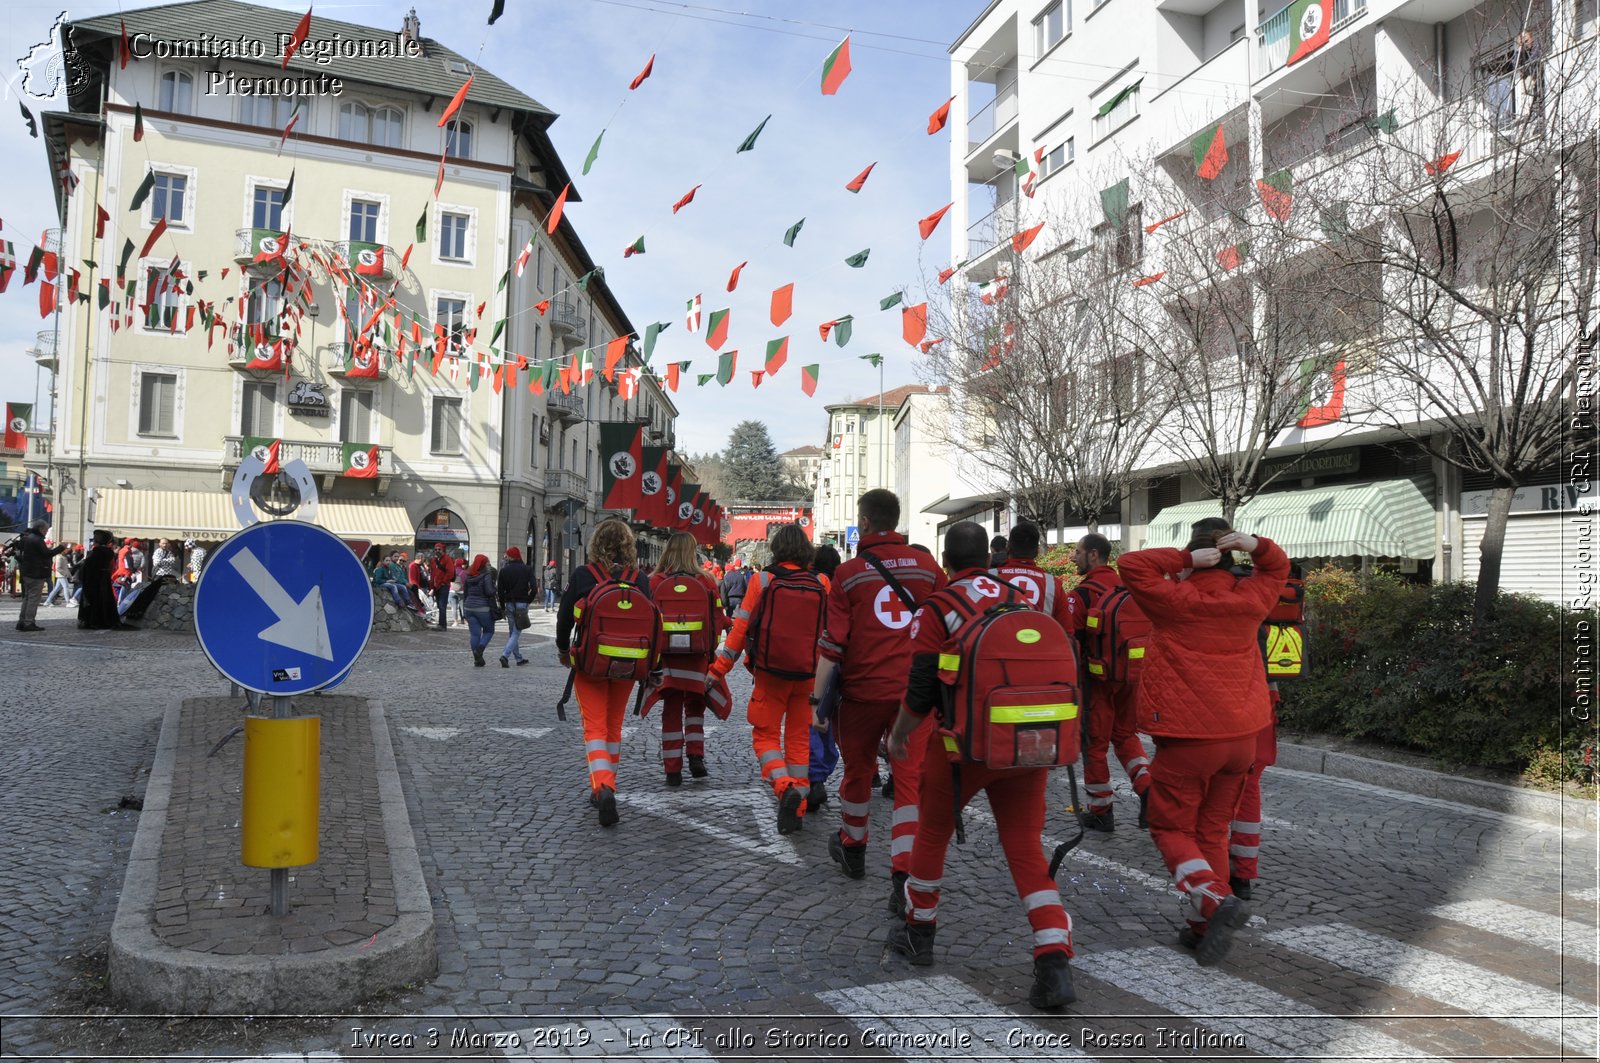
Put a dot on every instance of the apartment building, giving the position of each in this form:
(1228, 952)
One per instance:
(157, 416)
(1090, 93)
(859, 455)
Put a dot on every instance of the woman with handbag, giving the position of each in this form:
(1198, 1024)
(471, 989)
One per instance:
(515, 588)
(478, 605)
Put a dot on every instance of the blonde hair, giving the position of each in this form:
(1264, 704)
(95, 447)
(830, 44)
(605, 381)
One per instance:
(679, 554)
(612, 544)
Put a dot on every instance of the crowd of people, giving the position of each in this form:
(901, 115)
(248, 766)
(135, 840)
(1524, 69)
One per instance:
(886, 651)
(110, 581)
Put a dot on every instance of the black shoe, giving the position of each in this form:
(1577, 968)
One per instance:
(789, 811)
(1052, 981)
(607, 804)
(1242, 887)
(521, 661)
(852, 859)
(1213, 948)
(1144, 809)
(897, 894)
(674, 778)
(1190, 938)
(697, 766)
(505, 663)
(915, 942)
(1105, 822)
(817, 797)
(477, 658)
(33, 627)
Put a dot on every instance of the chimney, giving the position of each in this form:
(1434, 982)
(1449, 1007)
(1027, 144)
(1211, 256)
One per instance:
(411, 27)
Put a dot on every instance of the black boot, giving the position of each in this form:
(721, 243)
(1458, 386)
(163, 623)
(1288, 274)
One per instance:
(852, 859)
(1052, 981)
(477, 659)
(1144, 810)
(674, 778)
(1242, 887)
(817, 797)
(1105, 822)
(606, 802)
(789, 811)
(897, 894)
(1213, 948)
(697, 766)
(915, 942)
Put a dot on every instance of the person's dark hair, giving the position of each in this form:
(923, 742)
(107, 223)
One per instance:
(880, 509)
(1204, 533)
(998, 543)
(102, 537)
(966, 546)
(826, 560)
(1095, 543)
(789, 543)
(1024, 543)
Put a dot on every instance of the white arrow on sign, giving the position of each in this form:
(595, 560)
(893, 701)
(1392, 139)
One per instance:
(301, 625)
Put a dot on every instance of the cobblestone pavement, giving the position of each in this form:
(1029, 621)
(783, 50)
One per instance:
(1386, 925)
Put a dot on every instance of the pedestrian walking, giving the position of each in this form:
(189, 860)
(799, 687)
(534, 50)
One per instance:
(65, 569)
(477, 606)
(733, 583)
(98, 608)
(824, 745)
(1203, 698)
(692, 620)
(35, 558)
(515, 589)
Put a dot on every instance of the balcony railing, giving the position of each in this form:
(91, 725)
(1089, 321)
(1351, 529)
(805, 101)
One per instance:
(564, 317)
(1273, 35)
(995, 114)
(562, 405)
(565, 483)
(320, 457)
(250, 243)
(44, 349)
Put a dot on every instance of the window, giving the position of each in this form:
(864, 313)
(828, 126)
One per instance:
(364, 220)
(453, 235)
(163, 301)
(1122, 106)
(1057, 157)
(536, 341)
(452, 314)
(1121, 248)
(355, 415)
(1050, 27)
(1508, 80)
(538, 269)
(267, 209)
(354, 122)
(264, 307)
(354, 313)
(388, 127)
(258, 407)
(269, 112)
(458, 139)
(177, 92)
(167, 198)
(446, 426)
(158, 402)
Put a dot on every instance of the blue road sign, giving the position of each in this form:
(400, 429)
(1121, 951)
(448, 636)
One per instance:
(852, 534)
(283, 607)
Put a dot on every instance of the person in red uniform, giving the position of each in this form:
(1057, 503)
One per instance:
(780, 716)
(1203, 698)
(866, 641)
(1113, 718)
(1016, 797)
(441, 573)
(683, 676)
(1042, 590)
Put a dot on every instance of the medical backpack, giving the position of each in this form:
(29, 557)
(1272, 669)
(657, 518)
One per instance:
(618, 628)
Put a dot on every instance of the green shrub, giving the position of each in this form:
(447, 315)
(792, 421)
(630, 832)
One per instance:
(1402, 665)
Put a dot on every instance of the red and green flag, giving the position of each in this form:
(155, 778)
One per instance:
(1323, 389)
(1021, 241)
(359, 460)
(782, 304)
(635, 248)
(653, 485)
(19, 415)
(622, 450)
(1210, 153)
(727, 364)
(684, 517)
(717, 329)
(268, 450)
(836, 67)
(1277, 194)
(777, 354)
(808, 378)
(859, 179)
(1310, 25)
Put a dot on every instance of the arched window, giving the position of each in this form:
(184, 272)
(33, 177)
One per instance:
(458, 139)
(177, 92)
(269, 112)
(353, 123)
(388, 127)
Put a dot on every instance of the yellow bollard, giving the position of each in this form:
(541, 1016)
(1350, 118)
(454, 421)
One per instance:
(282, 784)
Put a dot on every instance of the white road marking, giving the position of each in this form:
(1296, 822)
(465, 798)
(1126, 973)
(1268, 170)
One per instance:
(915, 1019)
(1080, 855)
(437, 734)
(1585, 838)
(1541, 1012)
(523, 732)
(1269, 1023)
(621, 1037)
(687, 806)
(1524, 924)
(1592, 896)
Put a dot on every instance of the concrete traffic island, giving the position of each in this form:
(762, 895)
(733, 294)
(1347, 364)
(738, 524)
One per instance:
(194, 933)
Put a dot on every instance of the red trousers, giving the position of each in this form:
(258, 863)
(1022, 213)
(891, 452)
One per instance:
(1113, 722)
(862, 726)
(683, 720)
(780, 726)
(1244, 840)
(1195, 786)
(1017, 799)
(604, 704)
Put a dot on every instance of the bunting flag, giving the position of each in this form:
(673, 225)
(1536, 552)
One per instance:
(438, 178)
(726, 366)
(555, 210)
(890, 300)
(127, 253)
(702, 379)
(101, 216)
(673, 369)
(583, 281)
(542, 306)
(138, 122)
(717, 329)
(1153, 226)
(1210, 153)
(836, 67)
(1231, 256)
(1114, 203)
(361, 361)
(268, 450)
(523, 256)
(691, 319)
(688, 197)
(914, 323)
(859, 259)
(1021, 241)
(1310, 25)
(931, 222)
(288, 189)
(8, 264)
(1383, 123)
(1142, 281)
(622, 450)
(141, 193)
(650, 334)
(940, 116)
(27, 116)
(422, 227)
(840, 327)
(733, 278)
(755, 378)
(1277, 194)
(635, 248)
(18, 416)
(777, 354)
(495, 11)
(875, 359)
(808, 379)
(301, 32)
(946, 274)
(649, 68)
(792, 232)
(859, 179)
(1029, 169)
(1335, 219)
(1324, 393)
(125, 52)
(1438, 166)
(615, 349)
(455, 103)
(782, 304)
(155, 234)
(594, 153)
(288, 127)
(749, 142)
(927, 345)
(359, 460)
(687, 493)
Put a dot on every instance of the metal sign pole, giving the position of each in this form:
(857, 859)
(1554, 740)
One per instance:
(280, 875)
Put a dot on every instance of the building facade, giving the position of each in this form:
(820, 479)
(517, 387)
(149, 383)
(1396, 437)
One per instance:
(859, 455)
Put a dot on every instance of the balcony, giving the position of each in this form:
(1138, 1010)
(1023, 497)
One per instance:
(246, 351)
(368, 259)
(564, 407)
(321, 458)
(44, 350)
(561, 485)
(1200, 99)
(336, 358)
(566, 321)
(992, 116)
(250, 243)
(1272, 36)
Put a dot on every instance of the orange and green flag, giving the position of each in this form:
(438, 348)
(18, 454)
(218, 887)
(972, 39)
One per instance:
(1210, 153)
(836, 67)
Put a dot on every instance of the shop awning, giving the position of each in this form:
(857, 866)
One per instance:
(1387, 519)
(194, 515)
(952, 507)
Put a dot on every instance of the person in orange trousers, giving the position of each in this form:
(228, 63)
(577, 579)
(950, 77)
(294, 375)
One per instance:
(683, 675)
(784, 659)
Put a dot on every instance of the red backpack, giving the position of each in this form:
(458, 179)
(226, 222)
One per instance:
(1011, 687)
(1116, 632)
(618, 628)
(784, 629)
(688, 617)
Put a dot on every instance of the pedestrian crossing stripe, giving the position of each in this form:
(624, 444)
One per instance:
(1550, 932)
(523, 732)
(437, 734)
(914, 1019)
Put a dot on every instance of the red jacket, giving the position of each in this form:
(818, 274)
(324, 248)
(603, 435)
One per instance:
(1043, 591)
(1202, 669)
(681, 671)
(442, 570)
(867, 622)
(1098, 582)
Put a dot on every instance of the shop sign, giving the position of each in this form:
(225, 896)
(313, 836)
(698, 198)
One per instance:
(1535, 498)
(1317, 463)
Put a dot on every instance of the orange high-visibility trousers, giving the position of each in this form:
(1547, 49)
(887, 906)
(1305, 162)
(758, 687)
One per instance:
(780, 722)
(604, 705)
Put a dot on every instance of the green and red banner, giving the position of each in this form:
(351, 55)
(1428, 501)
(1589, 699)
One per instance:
(19, 415)
(653, 486)
(1210, 153)
(359, 460)
(268, 450)
(621, 450)
(717, 329)
(836, 67)
(1310, 25)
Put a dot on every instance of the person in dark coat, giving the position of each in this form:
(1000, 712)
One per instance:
(515, 589)
(35, 556)
(98, 607)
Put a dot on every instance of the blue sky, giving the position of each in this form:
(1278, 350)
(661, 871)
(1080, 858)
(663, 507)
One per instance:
(717, 74)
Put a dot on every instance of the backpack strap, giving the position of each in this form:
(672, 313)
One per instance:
(888, 577)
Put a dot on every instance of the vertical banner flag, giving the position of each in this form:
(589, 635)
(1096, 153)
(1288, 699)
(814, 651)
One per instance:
(782, 304)
(777, 354)
(673, 490)
(621, 447)
(808, 379)
(684, 518)
(717, 329)
(18, 417)
(1310, 24)
(1324, 393)
(1210, 153)
(653, 485)
(359, 460)
(725, 367)
(268, 450)
(691, 317)
(914, 323)
(1114, 203)
(1277, 194)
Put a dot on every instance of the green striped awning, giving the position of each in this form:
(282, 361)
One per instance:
(1387, 519)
